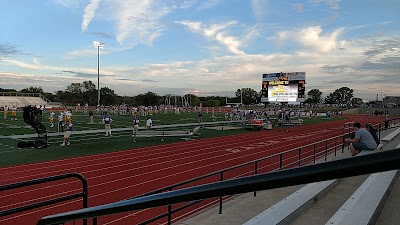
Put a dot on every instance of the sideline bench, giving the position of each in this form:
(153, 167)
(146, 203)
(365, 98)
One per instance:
(187, 135)
(297, 121)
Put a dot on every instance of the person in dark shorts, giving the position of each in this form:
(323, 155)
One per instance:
(363, 140)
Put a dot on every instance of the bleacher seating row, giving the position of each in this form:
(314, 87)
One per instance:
(363, 207)
(21, 101)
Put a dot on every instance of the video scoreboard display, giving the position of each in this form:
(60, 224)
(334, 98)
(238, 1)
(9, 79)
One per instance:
(283, 87)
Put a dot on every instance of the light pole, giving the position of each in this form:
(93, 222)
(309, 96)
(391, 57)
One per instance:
(98, 45)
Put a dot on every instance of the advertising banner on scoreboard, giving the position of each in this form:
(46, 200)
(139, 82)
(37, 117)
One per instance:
(283, 87)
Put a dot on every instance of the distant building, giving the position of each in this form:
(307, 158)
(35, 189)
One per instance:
(391, 101)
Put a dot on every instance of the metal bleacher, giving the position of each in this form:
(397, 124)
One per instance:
(23, 99)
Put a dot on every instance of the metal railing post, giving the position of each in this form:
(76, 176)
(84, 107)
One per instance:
(220, 198)
(300, 156)
(169, 212)
(314, 153)
(280, 161)
(326, 150)
(335, 148)
(255, 173)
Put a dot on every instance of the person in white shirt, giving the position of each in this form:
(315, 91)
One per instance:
(149, 123)
(51, 118)
(5, 112)
(14, 113)
(60, 122)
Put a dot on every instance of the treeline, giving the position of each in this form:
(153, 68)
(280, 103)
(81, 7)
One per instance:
(87, 93)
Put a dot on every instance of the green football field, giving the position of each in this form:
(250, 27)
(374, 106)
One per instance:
(97, 142)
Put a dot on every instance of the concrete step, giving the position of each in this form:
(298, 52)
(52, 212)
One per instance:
(327, 206)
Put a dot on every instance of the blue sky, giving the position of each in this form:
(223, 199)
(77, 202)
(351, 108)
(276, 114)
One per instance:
(201, 47)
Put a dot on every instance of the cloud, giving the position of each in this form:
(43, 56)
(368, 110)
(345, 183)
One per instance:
(89, 12)
(139, 24)
(8, 50)
(312, 37)
(217, 33)
(35, 60)
(298, 7)
(333, 4)
(260, 8)
(209, 4)
(68, 3)
(101, 34)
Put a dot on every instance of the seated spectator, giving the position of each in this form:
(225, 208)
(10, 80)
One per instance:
(363, 140)
(373, 131)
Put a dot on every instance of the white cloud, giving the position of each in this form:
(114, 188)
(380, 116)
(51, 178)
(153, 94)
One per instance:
(68, 3)
(35, 60)
(89, 12)
(216, 32)
(209, 4)
(312, 37)
(259, 7)
(139, 24)
(333, 4)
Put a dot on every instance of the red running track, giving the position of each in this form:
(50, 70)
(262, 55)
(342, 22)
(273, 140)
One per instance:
(120, 175)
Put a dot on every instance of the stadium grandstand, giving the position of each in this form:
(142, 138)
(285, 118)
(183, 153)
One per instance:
(23, 99)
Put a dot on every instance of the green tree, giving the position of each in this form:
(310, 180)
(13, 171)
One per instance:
(148, 99)
(330, 99)
(75, 88)
(355, 102)
(343, 95)
(89, 92)
(249, 95)
(7, 90)
(314, 96)
(107, 96)
(32, 89)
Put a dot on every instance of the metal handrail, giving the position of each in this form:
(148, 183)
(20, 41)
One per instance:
(83, 194)
(364, 164)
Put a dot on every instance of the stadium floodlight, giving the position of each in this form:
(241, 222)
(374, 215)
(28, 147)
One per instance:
(98, 45)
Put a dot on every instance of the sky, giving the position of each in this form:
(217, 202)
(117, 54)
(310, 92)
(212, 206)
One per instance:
(200, 47)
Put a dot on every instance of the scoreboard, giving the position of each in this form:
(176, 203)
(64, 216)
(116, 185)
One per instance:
(283, 87)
